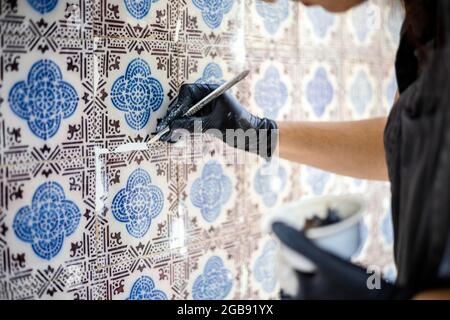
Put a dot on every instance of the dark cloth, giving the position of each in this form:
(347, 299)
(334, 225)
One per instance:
(417, 145)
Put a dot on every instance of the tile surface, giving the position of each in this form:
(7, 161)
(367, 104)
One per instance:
(89, 210)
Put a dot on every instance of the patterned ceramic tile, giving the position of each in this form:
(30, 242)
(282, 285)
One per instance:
(135, 81)
(319, 28)
(321, 95)
(48, 216)
(158, 20)
(362, 30)
(271, 24)
(137, 208)
(46, 100)
(361, 83)
(271, 88)
(47, 19)
(212, 23)
(261, 256)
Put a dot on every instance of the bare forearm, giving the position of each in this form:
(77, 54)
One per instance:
(353, 148)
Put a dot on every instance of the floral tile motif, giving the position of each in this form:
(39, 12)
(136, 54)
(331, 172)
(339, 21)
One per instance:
(48, 216)
(47, 100)
(47, 221)
(264, 269)
(211, 190)
(361, 83)
(136, 80)
(319, 27)
(136, 206)
(44, 100)
(320, 90)
(271, 23)
(144, 289)
(212, 23)
(317, 182)
(214, 283)
(269, 89)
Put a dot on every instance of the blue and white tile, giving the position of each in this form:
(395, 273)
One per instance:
(271, 24)
(212, 23)
(46, 100)
(210, 196)
(151, 278)
(317, 182)
(261, 252)
(135, 82)
(47, 19)
(317, 28)
(321, 89)
(215, 275)
(269, 184)
(269, 91)
(138, 214)
(361, 83)
(209, 65)
(362, 27)
(158, 20)
(48, 225)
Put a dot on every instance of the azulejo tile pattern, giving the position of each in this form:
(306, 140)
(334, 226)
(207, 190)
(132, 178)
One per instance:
(137, 93)
(213, 11)
(44, 99)
(271, 93)
(144, 289)
(214, 283)
(47, 221)
(210, 191)
(89, 211)
(138, 203)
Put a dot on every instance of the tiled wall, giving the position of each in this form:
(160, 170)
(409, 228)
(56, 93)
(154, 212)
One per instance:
(89, 211)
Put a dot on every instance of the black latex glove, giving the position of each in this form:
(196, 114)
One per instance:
(334, 278)
(225, 112)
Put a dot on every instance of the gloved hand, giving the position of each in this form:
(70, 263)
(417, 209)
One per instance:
(333, 278)
(222, 114)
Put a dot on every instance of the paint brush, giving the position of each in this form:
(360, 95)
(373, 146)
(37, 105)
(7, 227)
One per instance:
(202, 103)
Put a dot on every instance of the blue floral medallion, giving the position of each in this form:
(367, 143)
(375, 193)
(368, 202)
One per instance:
(137, 93)
(319, 92)
(139, 8)
(215, 283)
(144, 289)
(44, 99)
(361, 92)
(211, 191)
(317, 179)
(47, 221)
(269, 185)
(273, 14)
(321, 20)
(138, 203)
(213, 11)
(361, 21)
(264, 269)
(271, 93)
(43, 6)
(212, 74)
